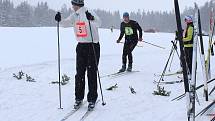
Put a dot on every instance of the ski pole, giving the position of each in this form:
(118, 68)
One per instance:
(212, 91)
(59, 71)
(153, 44)
(103, 103)
(164, 70)
(175, 50)
(170, 65)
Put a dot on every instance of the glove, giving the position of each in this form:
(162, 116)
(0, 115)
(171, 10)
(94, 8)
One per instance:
(89, 16)
(118, 41)
(58, 17)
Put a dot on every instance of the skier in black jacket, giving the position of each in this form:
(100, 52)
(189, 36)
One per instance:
(129, 29)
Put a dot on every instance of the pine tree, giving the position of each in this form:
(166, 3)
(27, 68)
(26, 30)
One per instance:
(24, 15)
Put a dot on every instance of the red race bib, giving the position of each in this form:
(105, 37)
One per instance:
(81, 29)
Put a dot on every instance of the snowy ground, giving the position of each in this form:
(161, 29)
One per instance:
(33, 50)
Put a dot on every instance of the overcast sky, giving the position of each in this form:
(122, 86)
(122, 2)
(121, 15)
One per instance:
(122, 5)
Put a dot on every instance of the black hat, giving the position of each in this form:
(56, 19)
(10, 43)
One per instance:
(79, 3)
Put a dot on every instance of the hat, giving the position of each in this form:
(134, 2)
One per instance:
(188, 18)
(79, 3)
(125, 14)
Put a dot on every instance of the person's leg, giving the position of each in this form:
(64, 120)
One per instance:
(130, 50)
(188, 57)
(190, 51)
(92, 73)
(124, 57)
(125, 53)
(80, 72)
(130, 56)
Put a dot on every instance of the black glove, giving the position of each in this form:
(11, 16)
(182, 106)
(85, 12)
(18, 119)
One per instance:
(89, 16)
(58, 17)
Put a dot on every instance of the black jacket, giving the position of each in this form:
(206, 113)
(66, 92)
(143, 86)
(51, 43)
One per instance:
(130, 30)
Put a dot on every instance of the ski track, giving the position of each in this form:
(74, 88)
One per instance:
(38, 101)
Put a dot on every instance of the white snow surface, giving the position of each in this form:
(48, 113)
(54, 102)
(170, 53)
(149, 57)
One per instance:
(34, 51)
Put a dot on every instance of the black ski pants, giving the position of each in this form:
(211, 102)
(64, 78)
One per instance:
(127, 51)
(85, 61)
(188, 56)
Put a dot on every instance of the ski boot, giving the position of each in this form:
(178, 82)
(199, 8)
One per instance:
(129, 69)
(91, 106)
(77, 104)
(123, 68)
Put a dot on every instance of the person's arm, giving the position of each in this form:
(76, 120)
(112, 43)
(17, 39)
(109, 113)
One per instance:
(97, 22)
(68, 22)
(122, 32)
(140, 31)
(189, 34)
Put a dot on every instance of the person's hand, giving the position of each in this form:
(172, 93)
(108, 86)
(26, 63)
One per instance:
(58, 17)
(140, 39)
(89, 16)
(118, 41)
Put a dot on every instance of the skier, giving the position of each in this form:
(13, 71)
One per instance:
(188, 35)
(87, 51)
(129, 29)
(111, 28)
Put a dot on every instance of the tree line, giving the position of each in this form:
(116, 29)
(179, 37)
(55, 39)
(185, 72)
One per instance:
(25, 15)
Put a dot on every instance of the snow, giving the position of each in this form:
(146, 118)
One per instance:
(34, 51)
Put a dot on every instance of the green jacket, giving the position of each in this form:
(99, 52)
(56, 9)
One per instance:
(188, 39)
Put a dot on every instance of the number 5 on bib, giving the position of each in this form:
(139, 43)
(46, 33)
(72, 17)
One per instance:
(81, 29)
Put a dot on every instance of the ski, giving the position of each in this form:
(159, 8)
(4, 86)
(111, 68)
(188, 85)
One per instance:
(205, 109)
(71, 112)
(179, 97)
(117, 74)
(169, 82)
(211, 31)
(211, 114)
(212, 91)
(192, 93)
(168, 74)
(202, 57)
(123, 74)
(199, 87)
(202, 85)
(112, 87)
(87, 113)
(182, 59)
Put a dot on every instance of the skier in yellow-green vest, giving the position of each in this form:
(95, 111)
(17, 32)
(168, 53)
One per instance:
(188, 41)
